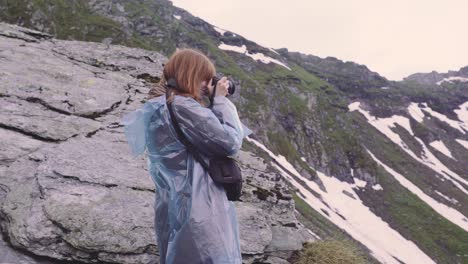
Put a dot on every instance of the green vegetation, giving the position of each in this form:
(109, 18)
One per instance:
(65, 19)
(311, 82)
(340, 137)
(421, 131)
(436, 236)
(440, 98)
(330, 252)
(73, 19)
(283, 145)
(294, 104)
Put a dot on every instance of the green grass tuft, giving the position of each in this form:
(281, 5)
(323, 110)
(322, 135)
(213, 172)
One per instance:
(331, 252)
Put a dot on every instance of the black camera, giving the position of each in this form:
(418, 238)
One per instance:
(231, 88)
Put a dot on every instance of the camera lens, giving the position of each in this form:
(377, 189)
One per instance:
(231, 87)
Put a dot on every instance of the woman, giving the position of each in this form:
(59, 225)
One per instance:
(194, 221)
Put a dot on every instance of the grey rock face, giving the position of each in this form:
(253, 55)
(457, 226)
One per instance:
(32, 118)
(434, 78)
(69, 188)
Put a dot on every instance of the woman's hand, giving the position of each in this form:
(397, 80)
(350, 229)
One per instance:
(221, 87)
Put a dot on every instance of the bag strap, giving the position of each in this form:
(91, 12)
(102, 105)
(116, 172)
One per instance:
(183, 138)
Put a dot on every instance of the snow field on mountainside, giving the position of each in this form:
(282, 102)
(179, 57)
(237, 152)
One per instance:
(350, 214)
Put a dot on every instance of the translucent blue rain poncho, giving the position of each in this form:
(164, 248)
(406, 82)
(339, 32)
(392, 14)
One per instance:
(194, 221)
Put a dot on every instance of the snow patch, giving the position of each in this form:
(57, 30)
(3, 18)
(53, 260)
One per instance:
(462, 112)
(353, 106)
(256, 56)
(238, 49)
(266, 59)
(449, 213)
(452, 200)
(440, 146)
(220, 31)
(377, 187)
(415, 112)
(462, 142)
(461, 126)
(361, 223)
(452, 79)
(176, 16)
(359, 183)
(384, 125)
(432, 162)
(312, 233)
(274, 51)
(384, 88)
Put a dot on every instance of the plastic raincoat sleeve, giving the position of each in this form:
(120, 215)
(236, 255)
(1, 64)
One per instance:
(135, 124)
(214, 132)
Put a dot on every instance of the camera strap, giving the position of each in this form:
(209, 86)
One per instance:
(212, 97)
(183, 139)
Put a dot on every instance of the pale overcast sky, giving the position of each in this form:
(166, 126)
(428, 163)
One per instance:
(392, 37)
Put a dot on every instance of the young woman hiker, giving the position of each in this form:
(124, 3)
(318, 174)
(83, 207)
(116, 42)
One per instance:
(194, 220)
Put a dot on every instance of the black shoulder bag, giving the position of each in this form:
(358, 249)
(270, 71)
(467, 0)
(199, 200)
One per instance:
(223, 170)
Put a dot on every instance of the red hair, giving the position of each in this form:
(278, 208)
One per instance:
(189, 68)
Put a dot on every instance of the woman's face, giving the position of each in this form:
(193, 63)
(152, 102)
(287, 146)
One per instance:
(203, 85)
(204, 88)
